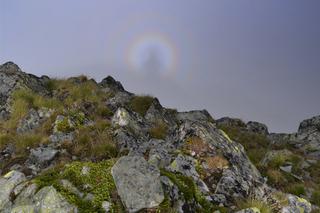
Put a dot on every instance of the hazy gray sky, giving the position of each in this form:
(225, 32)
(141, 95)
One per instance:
(257, 60)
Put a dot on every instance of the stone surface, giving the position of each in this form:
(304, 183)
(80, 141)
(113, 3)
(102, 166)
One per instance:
(7, 183)
(112, 84)
(257, 127)
(138, 183)
(11, 79)
(297, 205)
(48, 200)
(33, 120)
(106, 206)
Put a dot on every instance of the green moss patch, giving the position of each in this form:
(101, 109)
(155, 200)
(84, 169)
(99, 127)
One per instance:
(97, 180)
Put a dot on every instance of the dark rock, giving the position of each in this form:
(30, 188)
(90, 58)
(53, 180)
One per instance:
(257, 127)
(11, 79)
(112, 84)
(232, 122)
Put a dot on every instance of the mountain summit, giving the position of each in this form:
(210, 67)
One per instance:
(75, 145)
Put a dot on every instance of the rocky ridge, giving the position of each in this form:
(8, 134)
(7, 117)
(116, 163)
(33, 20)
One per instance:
(75, 145)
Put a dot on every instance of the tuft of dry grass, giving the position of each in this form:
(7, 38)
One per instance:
(94, 142)
(254, 203)
(141, 104)
(216, 162)
(159, 130)
(195, 144)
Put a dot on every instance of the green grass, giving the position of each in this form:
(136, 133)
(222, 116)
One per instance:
(141, 104)
(249, 203)
(94, 142)
(23, 100)
(296, 189)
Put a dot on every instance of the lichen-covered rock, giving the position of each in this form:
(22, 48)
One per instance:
(233, 122)
(23, 209)
(138, 183)
(111, 84)
(11, 79)
(33, 119)
(195, 115)
(257, 127)
(120, 99)
(25, 197)
(297, 205)
(42, 155)
(48, 200)
(7, 183)
(242, 178)
(123, 117)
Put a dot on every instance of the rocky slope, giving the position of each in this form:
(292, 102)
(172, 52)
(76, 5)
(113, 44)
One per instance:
(75, 145)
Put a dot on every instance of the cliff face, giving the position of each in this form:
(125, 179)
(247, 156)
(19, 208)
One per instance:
(75, 145)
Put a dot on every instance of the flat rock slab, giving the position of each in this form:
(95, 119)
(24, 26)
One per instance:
(138, 183)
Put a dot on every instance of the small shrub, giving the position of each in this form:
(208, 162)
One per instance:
(277, 161)
(104, 111)
(276, 178)
(64, 126)
(77, 118)
(159, 130)
(141, 104)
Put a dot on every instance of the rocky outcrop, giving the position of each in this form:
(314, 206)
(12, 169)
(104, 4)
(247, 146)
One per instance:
(257, 127)
(106, 149)
(111, 84)
(11, 79)
(306, 139)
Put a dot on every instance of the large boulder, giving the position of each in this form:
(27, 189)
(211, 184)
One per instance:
(310, 125)
(138, 183)
(7, 184)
